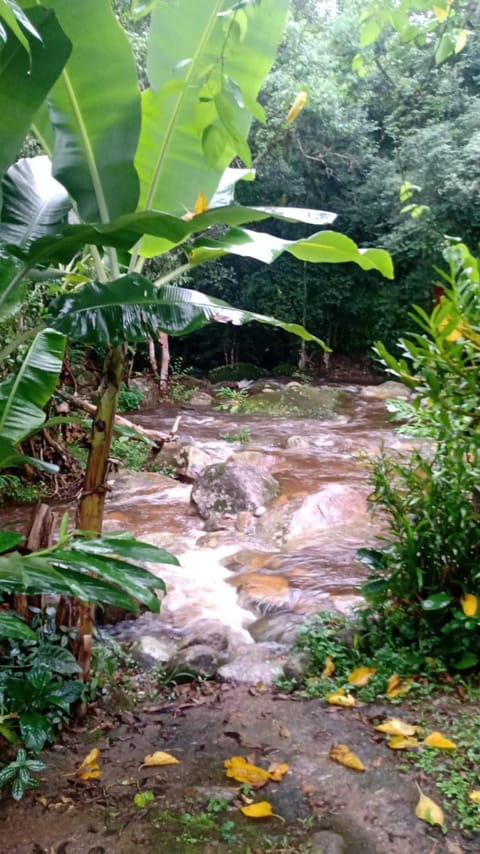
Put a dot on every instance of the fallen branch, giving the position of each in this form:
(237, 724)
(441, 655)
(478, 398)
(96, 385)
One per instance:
(151, 435)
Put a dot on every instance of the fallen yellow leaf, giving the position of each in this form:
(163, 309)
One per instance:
(277, 771)
(469, 604)
(339, 698)
(329, 668)
(403, 742)
(395, 726)
(297, 107)
(261, 810)
(239, 769)
(342, 754)
(160, 758)
(90, 767)
(396, 688)
(474, 796)
(427, 810)
(361, 676)
(436, 739)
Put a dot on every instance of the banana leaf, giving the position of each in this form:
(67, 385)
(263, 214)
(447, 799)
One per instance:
(34, 203)
(11, 458)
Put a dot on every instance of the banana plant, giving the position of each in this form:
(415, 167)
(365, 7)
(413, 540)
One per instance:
(141, 170)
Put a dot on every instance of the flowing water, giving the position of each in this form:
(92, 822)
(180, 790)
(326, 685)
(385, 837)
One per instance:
(260, 576)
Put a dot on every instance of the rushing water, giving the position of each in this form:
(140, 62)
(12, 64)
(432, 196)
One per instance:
(298, 557)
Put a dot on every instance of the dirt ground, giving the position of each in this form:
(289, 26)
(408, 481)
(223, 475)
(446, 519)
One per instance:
(324, 808)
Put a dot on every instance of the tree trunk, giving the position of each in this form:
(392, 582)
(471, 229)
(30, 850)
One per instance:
(165, 363)
(90, 516)
(152, 356)
(40, 536)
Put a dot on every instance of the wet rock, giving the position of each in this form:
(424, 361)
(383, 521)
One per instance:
(191, 461)
(254, 663)
(334, 504)
(327, 842)
(386, 390)
(298, 442)
(279, 628)
(215, 523)
(150, 651)
(197, 660)
(259, 459)
(230, 488)
(202, 795)
(213, 633)
(296, 666)
(201, 399)
(245, 521)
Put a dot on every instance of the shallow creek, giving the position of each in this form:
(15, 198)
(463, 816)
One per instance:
(261, 575)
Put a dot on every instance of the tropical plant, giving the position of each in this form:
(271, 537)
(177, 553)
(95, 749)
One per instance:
(123, 157)
(427, 566)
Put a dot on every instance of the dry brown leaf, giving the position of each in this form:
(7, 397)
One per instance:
(339, 698)
(377, 762)
(427, 810)
(277, 771)
(244, 772)
(403, 742)
(342, 754)
(395, 726)
(436, 739)
(361, 676)
(329, 668)
(160, 758)
(474, 796)
(42, 801)
(90, 767)
(260, 810)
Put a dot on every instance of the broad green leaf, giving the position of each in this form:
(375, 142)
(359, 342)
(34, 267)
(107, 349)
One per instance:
(95, 110)
(25, 82)
(34, 203)
(445, 48)
(58, 659)
(436, 601)
(12, 285)
(35, 729)
(10, 457)
(9, 539)
(17, 21)
(125, 545)
(326, 247)
(22, 397)
(12, 626)
(131, 309)
(171, 155)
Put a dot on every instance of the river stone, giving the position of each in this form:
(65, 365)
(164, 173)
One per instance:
(384, 391)
(298, 442)
(200, 398)
(199, 659)
(262, 662)
(259, 459)
(191, 461)
(150, 651)
(327, 842)
(230, 488)
(211, 632)
(281, 627)
(296, 666)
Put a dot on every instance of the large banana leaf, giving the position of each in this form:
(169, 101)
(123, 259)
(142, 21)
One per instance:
(34, 203)
(207, 60)
(16, 20)
(125, 231)
(95, 111)
(11, 458)
(131, 309)
(22, 397)
(12, 285)
(26, 80)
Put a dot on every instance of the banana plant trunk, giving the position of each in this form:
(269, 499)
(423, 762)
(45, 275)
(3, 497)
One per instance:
(92, 502)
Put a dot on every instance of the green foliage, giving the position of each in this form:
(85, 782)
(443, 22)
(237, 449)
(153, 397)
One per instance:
(14, 491)
(130, 398)
(234, 373)
(18, 774)
(231, 399)
(430, 556)
(242, 435)
(143, 799)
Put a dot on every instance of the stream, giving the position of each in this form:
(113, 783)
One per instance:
(253, 579)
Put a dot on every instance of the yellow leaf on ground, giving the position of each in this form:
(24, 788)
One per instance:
(339, 698)
(436, 739)
(261, 810)
(201, 204)
(474, 796)
(396, 687)
(427, 810)
(160, 758)
(90, 767)
(342, 754)
(361, 676)
(469, 604)
(329, 668)
(395, 726)
(239, 769)
(277, 771)
(403, 742)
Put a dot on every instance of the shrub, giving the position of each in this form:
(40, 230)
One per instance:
(130, 398)
(233, 373)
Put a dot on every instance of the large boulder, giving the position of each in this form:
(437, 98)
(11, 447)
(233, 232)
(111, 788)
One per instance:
(228, 488)
(387, 390)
